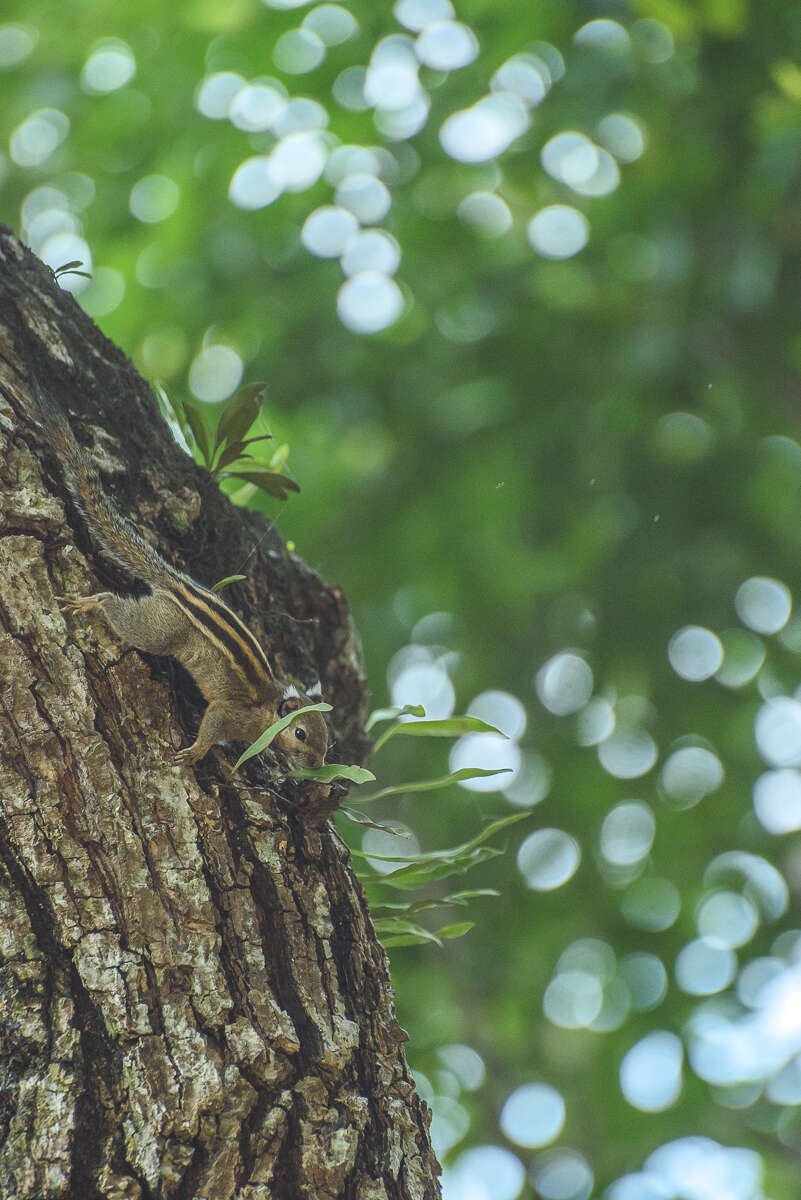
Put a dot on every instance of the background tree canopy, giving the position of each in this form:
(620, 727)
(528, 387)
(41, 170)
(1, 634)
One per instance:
(524, 283)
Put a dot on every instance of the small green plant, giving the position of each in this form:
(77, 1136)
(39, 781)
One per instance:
(414, 872)
(227, 453)
(71, 268)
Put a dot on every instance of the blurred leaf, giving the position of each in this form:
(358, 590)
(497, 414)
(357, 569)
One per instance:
(269, 481)
(447, 727)
(387, 714)
(239, 414)
(360, 819)
(455, 931)
(199, 432)
(430, 785)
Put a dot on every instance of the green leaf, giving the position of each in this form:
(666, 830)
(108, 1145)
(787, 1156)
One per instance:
(360, 819)
(233, 451)
(239, 414)
(455, 931)
(221, 583)
(269, 481)
(199, 432)
(387, 714)
(447, 727)
(262, 742)
(404, 933)
(491, 828)
(430, 785)
(414, 876)
(455, 900)
(332, 771)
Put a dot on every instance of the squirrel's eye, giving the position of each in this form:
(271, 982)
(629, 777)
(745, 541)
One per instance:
(300, 734)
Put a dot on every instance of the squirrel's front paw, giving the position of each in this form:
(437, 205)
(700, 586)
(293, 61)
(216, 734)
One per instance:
(187, 756)
(82, 604)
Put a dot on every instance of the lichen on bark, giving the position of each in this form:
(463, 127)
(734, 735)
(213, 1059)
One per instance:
(193, 1002)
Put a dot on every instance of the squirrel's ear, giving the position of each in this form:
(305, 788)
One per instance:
(315, 692)
(290, 700)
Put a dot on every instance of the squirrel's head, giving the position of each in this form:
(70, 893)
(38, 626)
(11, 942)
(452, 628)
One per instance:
(305, 741)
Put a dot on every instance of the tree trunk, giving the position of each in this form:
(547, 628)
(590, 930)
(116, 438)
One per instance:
(193, 1002)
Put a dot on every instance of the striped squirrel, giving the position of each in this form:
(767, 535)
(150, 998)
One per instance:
(182, 619)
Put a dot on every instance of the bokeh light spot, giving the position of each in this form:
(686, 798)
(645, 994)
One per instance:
(254, 184)
(627, 833)
(628, 753)
(110, 66)
(622, 136)
(215, 374)
(563, 1175)
(17, 42)
(691, 773)
(558, 231)
(372, 250)
(485, 212)
(298, 51)
(332, 24)
(547, 858)
(533, 1115)
(777, 731)
(695, 653)
(484, 1173)
(777, 800)
(573, 999)
(490, 752)
(369, 302)
(485, 130)
(154, 198)
(328, 231)
(564, 683)
(398, 841)
(446, 45)
(703, 969)
(763, 605)
(651, 903)
(416, 14)
(651, 1072)
(365, 196)
(35, 139)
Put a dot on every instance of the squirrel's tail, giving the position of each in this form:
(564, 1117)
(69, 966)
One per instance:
(115, 535)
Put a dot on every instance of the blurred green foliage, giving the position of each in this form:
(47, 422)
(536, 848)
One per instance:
(582, 455)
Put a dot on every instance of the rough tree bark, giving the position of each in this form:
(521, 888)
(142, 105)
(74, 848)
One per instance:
(193, 1002)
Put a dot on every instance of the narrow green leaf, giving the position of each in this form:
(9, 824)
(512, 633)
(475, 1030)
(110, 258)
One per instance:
(400, 931)
(446, 727)
(272, 732)
(239, 414)
(387, 714)
(269, 481)
(473, 894)
(430, 785)
(360, 819)
(487, 831)
(456, 900)
(455, 931)
(332, 771)
(221, 583)
(414, 876)
(68, 266)
(199, 432)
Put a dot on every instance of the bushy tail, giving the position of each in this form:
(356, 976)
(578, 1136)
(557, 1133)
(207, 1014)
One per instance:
(116, 537)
